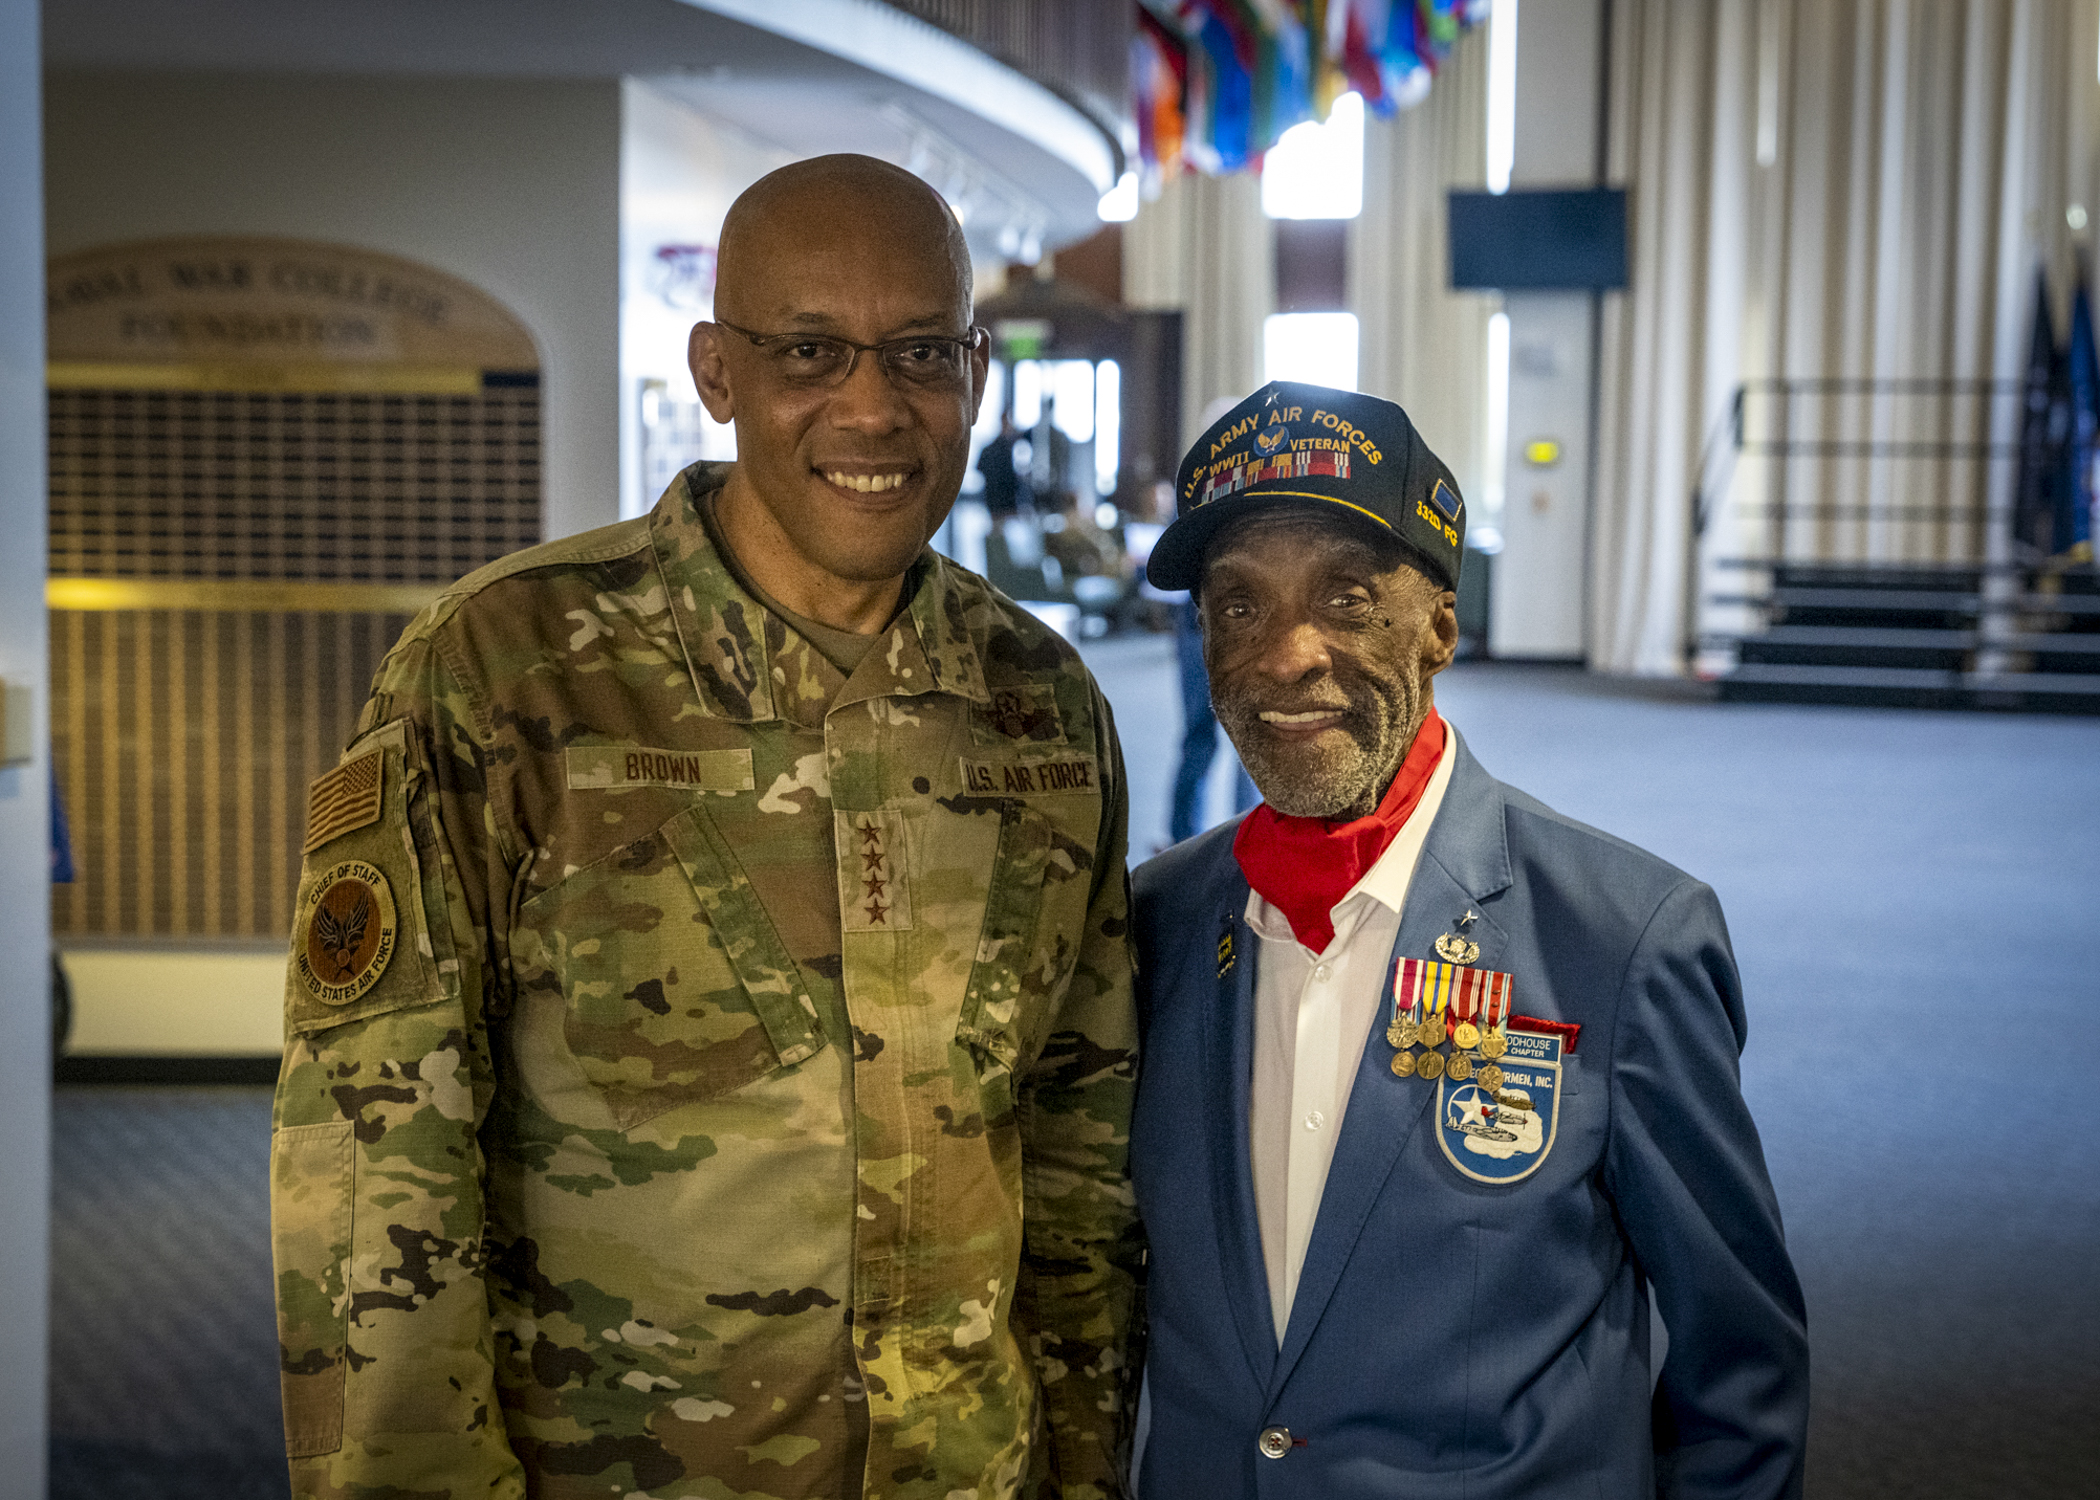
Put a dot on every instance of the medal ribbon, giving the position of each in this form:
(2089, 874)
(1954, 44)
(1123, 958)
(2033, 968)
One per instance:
(1497, 1001)
(1480, 995)
(1436, 990)
(1467, 993)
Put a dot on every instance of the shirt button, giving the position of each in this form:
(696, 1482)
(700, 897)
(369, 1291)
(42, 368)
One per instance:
(1324, 973)
(1315, 1120)
(1274, 1442)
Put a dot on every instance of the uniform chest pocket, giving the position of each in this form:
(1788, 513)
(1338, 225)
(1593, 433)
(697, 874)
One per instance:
(678, 987)
(1029, 944)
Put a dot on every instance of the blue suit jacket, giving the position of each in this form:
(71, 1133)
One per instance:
(1454, 1338)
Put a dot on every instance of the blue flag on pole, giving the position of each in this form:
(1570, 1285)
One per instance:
(2074, 530)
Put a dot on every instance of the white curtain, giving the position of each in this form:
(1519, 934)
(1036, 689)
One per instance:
(1822, 192)
(1421, 344)
(1205, 247)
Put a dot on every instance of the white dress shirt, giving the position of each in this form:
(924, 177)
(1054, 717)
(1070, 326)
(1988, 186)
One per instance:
(1312, 1015)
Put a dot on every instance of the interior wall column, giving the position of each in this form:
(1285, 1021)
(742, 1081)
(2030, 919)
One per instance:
(1205, 246)
(25, 827)
(1420, 343)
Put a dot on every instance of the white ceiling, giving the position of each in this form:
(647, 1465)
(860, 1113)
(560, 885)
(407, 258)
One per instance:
(1031, 171)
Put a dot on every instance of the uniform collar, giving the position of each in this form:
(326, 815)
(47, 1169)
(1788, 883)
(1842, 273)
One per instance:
(930, 647)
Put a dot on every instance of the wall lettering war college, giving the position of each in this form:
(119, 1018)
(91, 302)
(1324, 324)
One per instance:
(244, 299)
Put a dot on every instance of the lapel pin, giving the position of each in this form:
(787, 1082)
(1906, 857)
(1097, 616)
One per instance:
(1457, 950)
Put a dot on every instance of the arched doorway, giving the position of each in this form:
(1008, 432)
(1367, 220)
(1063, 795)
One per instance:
(265, 454)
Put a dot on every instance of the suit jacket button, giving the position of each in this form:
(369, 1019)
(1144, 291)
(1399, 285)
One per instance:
(1274, 1442)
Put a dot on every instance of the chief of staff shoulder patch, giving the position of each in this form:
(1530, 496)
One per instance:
(346, 932)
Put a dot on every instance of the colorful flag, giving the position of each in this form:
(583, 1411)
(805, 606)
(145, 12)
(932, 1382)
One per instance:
(1221, 80)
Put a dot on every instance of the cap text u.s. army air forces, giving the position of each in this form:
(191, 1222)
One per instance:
(1355, 457)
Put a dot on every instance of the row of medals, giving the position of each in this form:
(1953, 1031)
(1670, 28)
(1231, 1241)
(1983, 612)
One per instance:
(1477, 1051)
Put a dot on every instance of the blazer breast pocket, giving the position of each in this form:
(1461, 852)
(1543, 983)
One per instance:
(676, 985)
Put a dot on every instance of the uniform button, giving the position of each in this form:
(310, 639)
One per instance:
(1324, 972)
(1274, 1442)
(1315, 1120)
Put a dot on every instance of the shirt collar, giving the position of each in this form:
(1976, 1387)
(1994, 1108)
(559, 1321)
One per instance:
(1386, 882)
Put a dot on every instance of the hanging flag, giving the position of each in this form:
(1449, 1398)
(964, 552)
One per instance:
(2041, 442)
(1225, 56)
(2073, 539)
(1216, 82)
(1159, 80)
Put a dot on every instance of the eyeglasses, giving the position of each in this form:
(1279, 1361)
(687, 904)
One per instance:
(813, 361)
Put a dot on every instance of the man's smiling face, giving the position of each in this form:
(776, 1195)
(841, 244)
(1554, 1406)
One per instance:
(856, 476)
(1320, 647)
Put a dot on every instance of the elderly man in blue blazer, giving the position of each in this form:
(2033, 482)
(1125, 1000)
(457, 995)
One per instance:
(1439, 1086)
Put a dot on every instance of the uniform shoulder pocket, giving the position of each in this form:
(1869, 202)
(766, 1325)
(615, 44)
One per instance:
(371, 929)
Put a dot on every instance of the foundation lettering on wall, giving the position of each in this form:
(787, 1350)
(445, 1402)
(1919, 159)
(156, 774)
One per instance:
(244, 299)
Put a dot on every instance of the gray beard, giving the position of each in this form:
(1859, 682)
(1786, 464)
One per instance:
(1343, 783)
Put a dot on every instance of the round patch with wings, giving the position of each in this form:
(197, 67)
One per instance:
(346, 932)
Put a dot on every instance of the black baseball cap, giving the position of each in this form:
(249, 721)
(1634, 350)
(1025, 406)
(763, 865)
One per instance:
(1291, 444)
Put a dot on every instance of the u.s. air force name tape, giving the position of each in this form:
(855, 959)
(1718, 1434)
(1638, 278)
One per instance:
(1029, 778)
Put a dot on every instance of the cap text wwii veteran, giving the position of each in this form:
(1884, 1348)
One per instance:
(1439, 1084)
(698, 1083)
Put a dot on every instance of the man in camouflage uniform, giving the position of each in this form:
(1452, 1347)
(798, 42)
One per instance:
(710, 1036)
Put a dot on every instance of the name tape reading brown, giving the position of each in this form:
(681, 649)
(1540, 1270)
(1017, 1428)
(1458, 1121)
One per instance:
(612, 766)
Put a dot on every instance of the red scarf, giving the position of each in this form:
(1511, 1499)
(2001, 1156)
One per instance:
(1303, 866)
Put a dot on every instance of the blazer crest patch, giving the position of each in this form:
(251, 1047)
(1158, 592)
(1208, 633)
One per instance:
(1502, 1134)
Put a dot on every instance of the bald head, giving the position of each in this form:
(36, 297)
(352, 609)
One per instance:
(833, 209)
(839, 481)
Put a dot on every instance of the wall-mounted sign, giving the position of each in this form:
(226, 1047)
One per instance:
(1022, 338)
(197, 311)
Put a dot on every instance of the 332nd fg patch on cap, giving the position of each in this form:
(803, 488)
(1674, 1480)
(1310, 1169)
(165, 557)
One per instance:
(1291, 444)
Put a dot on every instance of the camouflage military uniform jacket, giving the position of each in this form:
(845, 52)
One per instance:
(708, 1075)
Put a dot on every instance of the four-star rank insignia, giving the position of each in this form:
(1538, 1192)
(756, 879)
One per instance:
(347, 932)
(874, 892)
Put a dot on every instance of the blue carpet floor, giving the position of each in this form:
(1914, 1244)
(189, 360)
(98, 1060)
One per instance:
(1915, 901)
(1915, 904)
(163, 1337)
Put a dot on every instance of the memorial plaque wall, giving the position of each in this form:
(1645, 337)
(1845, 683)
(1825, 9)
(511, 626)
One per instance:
(265, 455)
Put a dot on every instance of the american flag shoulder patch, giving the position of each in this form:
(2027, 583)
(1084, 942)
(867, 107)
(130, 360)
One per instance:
(345, 799)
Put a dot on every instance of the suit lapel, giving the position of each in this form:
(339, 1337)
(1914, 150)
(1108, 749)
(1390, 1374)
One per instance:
(1229, 1045)
(1464, 861)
